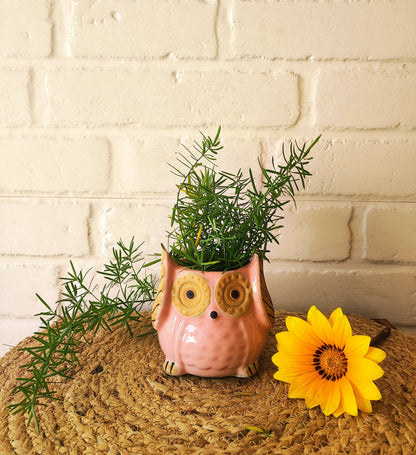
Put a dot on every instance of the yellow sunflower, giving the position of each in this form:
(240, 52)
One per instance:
(327, 365)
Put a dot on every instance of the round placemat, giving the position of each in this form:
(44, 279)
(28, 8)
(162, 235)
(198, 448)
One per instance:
(121, 402)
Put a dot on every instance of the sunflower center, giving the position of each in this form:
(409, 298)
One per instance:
(330, 362)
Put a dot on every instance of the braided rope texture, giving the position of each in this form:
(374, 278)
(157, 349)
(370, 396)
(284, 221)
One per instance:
(121, 402)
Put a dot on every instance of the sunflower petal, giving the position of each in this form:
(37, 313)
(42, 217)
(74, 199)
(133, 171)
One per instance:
(363, 369)
(303, 331)
(282, 359)
(362, 403)
(275, 358)
(293, 364)
(375, 354)
(338, 412)
(316, 395)
(335, 315)
(348, 400)
(284, 376)
(300, 387)
(367, 389)
(320, 325)
(357, 346)
(342, 331)
(332, 398)
(290, 343)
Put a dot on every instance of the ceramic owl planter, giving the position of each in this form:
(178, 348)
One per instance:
(212, 324)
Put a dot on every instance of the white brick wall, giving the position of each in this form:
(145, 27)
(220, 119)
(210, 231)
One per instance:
(54, 165)
(118, 96)
(122, 28)
(14, 97)
(316, 232)
(366, 99)
(25, 28)
(95, 97)
(325, 29)
(390, 234)
(43, 228)
(362, 158)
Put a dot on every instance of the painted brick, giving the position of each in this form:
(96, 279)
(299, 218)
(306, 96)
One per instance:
(21, 301)
(53, 165)
(158, 97)
(14, 97)
(140, 165)
(318, 233)
(147, 223)
(359, 167)
(122, 28)
(302, 29)
(25, 28)
(12, 331)
(378, 293)
(43, 228)
(365, 99)
(390, 234)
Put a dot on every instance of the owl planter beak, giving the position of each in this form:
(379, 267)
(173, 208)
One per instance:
(212, 324)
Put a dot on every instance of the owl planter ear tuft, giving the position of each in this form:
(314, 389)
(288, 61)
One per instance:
(212, 324)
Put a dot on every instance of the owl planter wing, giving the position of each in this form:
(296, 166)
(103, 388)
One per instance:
(212, 324)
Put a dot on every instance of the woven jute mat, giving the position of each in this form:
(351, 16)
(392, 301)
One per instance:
(121, 402)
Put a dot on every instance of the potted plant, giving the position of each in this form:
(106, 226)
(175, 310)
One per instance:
(212, 310)
(221, 226)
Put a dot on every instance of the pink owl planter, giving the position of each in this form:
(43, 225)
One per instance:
(212, 324)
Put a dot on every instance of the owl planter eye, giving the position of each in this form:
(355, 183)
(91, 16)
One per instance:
(191, 294)
(233, 294)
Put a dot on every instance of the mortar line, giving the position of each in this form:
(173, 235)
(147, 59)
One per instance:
(167, 198)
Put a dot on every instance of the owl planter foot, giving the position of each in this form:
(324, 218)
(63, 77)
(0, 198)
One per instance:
(171, 368)
(249, 371)
(212, 324)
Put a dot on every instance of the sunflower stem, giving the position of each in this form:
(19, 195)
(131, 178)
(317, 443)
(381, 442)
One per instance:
(380, 337)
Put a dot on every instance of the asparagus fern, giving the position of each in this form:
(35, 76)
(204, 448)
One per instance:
(220, 219)
(83, 309)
